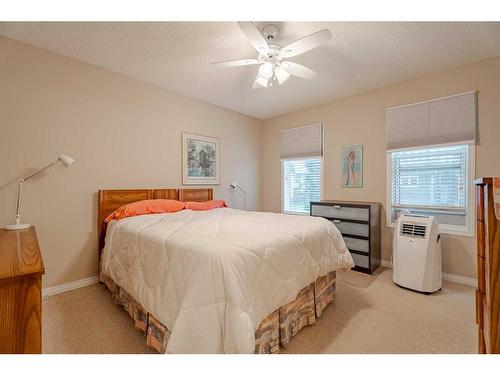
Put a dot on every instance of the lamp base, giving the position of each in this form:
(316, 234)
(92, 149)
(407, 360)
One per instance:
(16, 226)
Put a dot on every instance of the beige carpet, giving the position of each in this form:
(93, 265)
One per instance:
(361, 280)
(381, 318)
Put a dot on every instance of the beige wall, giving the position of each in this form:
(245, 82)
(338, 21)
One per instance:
(126, 134)
(361, 120)
(123, 133)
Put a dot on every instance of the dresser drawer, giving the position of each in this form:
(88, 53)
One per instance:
(361, 260)
(21, 270)
(356, 229)
(357, 244)
(341, 212)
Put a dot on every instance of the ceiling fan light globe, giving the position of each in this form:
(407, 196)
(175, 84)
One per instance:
(262, 81)
(281, 74)
(266, 70)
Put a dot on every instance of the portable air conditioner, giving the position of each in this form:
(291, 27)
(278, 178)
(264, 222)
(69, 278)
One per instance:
(417, 253)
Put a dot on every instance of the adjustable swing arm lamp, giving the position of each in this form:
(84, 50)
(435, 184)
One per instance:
(237, 187)
(64, 159)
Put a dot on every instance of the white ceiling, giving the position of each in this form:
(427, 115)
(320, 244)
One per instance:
(176, 55)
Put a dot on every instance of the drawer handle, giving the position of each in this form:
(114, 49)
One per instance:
(337, 207)
(336, 221)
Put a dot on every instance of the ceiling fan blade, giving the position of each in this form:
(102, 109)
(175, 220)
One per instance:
(237, 63)
(254, 36)
(306, 44)
(298, 70)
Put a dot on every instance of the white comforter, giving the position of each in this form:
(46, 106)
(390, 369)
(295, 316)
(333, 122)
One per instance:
(211, 276)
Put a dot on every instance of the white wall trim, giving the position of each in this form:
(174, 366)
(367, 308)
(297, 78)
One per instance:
(446, 276)
(66, 287)
(460, 279)
(386, 263)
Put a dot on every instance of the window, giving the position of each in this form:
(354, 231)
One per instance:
(301, 155)
(301, 184)
(434, 181)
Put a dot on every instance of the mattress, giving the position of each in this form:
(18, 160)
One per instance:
(211, 277)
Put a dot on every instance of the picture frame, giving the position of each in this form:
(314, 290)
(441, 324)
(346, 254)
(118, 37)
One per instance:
(200, 160)
(351, 166)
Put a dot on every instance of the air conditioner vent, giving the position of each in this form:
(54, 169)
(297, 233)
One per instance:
(413, 230)
(407, 229)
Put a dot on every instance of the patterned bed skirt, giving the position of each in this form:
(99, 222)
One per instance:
(276, 329)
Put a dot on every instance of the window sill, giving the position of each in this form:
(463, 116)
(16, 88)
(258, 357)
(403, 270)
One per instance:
(295, 213)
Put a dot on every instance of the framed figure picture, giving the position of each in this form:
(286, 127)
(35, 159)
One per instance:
(200, 160)
(352, 166)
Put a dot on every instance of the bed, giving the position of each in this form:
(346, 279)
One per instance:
(217, 281)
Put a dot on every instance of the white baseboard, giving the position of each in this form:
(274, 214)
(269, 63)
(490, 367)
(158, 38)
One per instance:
(66, 287)
(460, 279)
(446, 276)
(386, 263)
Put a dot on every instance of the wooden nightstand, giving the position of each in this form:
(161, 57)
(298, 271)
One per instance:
(21, 270)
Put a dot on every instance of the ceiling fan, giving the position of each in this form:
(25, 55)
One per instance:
(273, 69)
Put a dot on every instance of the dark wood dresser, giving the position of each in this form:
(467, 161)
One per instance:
(359, 223)
(488, 264)
(21, 270)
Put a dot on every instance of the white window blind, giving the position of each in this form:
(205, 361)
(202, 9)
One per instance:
(431, 181)
(303, 142)
(431, 177)
(301, 184)
(435, 122)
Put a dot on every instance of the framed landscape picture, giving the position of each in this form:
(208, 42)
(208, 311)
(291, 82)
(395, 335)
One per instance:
(200, 160)
(352, 166)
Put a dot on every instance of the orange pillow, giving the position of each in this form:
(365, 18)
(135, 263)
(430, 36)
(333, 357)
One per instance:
(205, 206)
(146, 207)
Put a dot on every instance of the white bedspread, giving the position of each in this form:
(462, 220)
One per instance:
(211, 276)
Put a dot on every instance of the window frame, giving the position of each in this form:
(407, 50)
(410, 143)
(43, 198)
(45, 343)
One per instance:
(457, 230)
(321, 178)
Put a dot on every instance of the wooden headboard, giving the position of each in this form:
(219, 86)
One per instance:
(110, 200)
